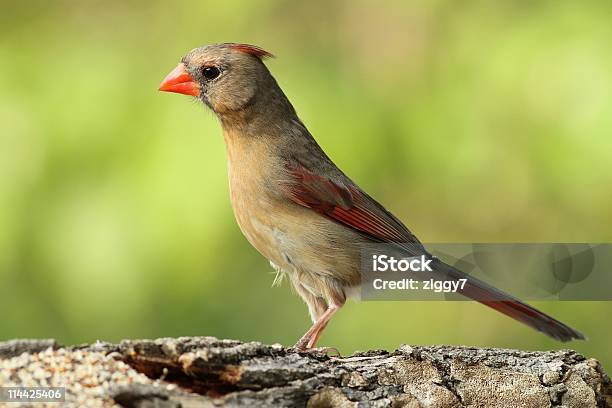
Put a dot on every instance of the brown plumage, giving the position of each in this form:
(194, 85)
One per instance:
(291, 201)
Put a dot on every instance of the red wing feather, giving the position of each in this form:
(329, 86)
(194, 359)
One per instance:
(347, 205)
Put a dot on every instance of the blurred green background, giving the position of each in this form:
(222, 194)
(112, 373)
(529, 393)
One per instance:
(473, 121)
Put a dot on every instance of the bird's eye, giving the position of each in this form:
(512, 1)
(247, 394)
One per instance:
(210, 72)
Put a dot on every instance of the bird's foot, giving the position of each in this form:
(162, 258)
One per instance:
(316, 351)
(302, 344)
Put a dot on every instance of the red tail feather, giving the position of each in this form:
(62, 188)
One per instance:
(509, 305)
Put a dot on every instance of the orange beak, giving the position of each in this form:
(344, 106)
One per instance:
(180, 81)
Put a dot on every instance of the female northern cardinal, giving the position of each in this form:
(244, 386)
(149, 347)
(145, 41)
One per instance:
(291, 201)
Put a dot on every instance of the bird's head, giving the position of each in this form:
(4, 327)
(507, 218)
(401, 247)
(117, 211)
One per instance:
(226, 77)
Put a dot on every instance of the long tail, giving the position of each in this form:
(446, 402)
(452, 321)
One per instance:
(509, 305)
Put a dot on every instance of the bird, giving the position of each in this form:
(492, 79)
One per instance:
(294, 205)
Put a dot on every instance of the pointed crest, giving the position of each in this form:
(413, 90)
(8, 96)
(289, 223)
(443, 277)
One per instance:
(251, 49)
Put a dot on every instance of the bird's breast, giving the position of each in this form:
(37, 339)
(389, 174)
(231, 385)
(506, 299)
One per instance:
(293, 237)
(251, 174)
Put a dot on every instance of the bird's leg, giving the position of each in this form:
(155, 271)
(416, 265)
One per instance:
(310, 338)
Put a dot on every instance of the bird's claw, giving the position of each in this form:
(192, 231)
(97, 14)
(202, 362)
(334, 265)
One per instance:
(316, 351)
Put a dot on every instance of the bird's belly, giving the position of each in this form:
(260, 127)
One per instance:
(255, 220)
(300, 241)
